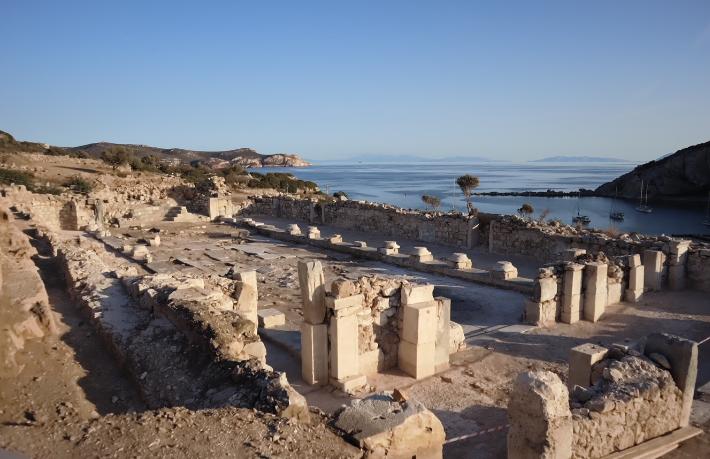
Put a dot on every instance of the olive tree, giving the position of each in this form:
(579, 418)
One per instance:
(468, 183)
(432, 201)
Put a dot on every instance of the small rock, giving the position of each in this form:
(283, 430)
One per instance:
(660, 360)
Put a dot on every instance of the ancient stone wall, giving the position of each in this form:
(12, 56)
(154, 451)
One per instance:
(452, 229)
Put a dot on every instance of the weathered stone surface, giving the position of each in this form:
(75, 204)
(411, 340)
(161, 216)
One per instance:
(344, 356)
(270, 318)
(385, 427)
(314, 353)
(247, 296)
(412, 294)
(457, 338)
(312, 281)
(539, 417)
(443, 331)
(417, 360)
(595, 290)
(419, 324)
(581, 360)
(653, 269)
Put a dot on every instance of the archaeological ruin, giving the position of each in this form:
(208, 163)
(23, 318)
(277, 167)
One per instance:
(401, 333)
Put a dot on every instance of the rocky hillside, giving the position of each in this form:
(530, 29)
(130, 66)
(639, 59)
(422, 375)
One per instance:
(245, 157)
(684, 175)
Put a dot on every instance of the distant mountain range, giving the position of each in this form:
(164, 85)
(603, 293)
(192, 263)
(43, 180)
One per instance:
(578, 159)
(245, 157)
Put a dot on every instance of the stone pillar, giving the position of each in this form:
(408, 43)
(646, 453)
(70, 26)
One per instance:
(572, 293)
(581, 359)
(595, 291)
(541, 308)
(344, 351)
(247, 297)
(417, 345)
(312, 281)
(314, 333)
(682, 354)
(677, 258)
(421, 254)
(293, 230)
(635, 289)
(653, 269)
(443, 332)
(539, 417)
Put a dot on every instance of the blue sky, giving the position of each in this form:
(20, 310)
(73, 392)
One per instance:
(507, 80)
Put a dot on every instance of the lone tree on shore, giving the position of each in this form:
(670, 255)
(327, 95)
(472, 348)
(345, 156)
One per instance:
(432, 201)
(526, 210)
(468, 183)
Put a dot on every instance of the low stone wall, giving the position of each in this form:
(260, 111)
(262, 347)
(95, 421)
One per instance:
(453, 229)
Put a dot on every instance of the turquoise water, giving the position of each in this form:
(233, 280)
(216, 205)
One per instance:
(404, 184)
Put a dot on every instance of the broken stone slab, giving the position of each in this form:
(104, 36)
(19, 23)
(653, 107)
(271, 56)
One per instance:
(504, 270)
(459, 261)
(312, 281)
(421, 254)
(293, 230)
(384, 426)
(270, 318)
(539, 417)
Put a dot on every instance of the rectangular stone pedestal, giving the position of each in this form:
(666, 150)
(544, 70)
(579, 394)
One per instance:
(595, 290)
(572, 294)
(314, 353)
(344, 357)
(581, 359)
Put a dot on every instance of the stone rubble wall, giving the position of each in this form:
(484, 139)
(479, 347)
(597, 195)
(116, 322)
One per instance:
(25, 313)
(180, 345)
(454, 229)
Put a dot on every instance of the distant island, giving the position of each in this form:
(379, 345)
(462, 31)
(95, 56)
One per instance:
(244, 157)
(396, 159)
(578, 159)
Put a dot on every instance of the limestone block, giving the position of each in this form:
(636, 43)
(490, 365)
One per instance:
(443, 330)
(361, 244)
(140, 252)
(256, 350)
(344, 358)
(345, 306)
(419, 323)
(457, 338)
(636, 279)
(682, 354)
(417, 360)
(390, 248)
(247, 297)
(342, 287)
(572, 254)
(293, 230)
(613, 293)
(385, 426)
(459, 261)
(382, 318)
(571, 293)
(370, 360)
(540, 313)
(422, 254)
(504, 270)
(633, 261)
(595, 290)
(539, 417)
(545, 289)
(412, 294)
(312, 281)
(270, 318)
(581, 359)
(154, 242)
(313, 232)
(351, 384)
(653, 269)
(335, 239)
(314, 353)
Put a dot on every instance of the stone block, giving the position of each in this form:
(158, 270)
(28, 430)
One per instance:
(459, 261)
(504, 270)
(270, 318)
(370, 361)
(540, 313)
(387, 426)
(571, 307)
(676, 277)
(293, 229)
(421, 254)
(545, 289)
(361, 244)
(653, 269)
(443, 331)
(595, 290)
(342, 287)
(314, 353)
(613, 293)
(457, 338)
(335, 239)
(313, 232)
(390, 248)
(633, 261)
(345, 306)
(581, 359)
(382, 318)
(572, 254)
(247, 296)
(350, 384)
(417, 360)
(682, 354)
(344, 358)
(539, 417)
(312, 281)
(419, 323)
(411, 294)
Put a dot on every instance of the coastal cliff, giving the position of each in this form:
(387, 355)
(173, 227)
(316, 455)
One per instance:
(683, 175)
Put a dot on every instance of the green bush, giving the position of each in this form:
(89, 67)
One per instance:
(9, 176)
(79, 185)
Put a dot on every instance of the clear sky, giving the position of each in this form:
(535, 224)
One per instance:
(507, 80)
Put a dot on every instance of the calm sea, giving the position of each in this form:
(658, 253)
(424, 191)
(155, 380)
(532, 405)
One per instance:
(404, 184)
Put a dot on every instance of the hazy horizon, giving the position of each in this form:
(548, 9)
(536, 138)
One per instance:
(515, 81)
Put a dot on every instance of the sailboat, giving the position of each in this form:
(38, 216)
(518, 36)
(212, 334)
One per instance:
(643, 206)
(583, 219)
(706, 222)
(615, 215)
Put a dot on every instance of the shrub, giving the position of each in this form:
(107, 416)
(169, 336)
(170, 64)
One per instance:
(432, 201)
(79, 185)
(468, 183)
(526, 209)
(9, 176)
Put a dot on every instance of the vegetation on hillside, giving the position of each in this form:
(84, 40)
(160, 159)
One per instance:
(9, 177)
